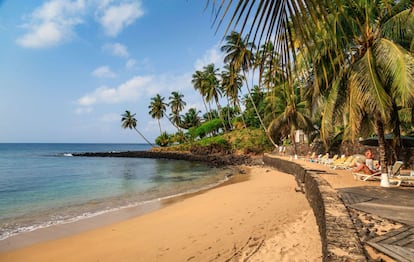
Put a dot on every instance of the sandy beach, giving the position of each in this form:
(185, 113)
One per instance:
(259, 219)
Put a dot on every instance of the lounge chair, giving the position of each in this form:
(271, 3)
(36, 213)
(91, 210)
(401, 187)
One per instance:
(330, 160)
(323, 158)
(407, 180)
(338, 161)
(312, 157)
(395, 171)
(344, 163)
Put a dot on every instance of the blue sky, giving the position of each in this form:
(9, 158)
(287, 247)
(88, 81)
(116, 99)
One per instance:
(69, 69)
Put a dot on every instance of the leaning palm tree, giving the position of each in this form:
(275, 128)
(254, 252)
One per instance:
(129, 121)
(239, 54)
(157, 109)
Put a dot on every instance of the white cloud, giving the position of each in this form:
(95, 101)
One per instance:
(136, 88)
(103, 3)
(128, 91)
(117, 49)
(55, 21)
(211, 56)
(52, 23)
(115, 18)
(130, 63)
(103, 72)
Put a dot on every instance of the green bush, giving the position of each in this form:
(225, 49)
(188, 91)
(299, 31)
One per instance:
(208, 128)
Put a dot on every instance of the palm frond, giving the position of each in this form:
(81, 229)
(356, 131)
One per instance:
(330, 106)
(369, 92)
(400, 27)
(397, 66)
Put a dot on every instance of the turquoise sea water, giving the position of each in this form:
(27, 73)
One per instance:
(43, 185)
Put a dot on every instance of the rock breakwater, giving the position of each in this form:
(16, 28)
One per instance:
(214, 159)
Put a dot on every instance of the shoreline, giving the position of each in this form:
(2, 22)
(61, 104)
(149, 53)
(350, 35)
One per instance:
(58, 229)
(263, 188)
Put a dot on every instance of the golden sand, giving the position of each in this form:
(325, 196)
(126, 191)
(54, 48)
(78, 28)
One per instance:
(262, 219)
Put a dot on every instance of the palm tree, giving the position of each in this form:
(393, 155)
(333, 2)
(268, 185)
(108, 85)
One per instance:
(129, 121)
(380, 76)
(212, 88)
(199, 82)
(290, 114)
(356, 37)
(239, 55)
(231, 83)
(157, 109)
(177, 105)
(191, 119)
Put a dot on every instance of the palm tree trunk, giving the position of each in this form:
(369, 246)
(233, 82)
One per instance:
(381, 143)
(205, 106)
(174, 125)
(293, 138)
(396, 140)
(143, 137)
(220, 112)
(241, 113)
(159, 125)
(228, 113)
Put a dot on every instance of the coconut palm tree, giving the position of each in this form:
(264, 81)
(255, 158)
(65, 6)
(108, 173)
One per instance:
(199, 82)
(290, 114)
(129, 121)
(212, 88)
(231, 83)
(358, 36)
(191, 119)
(239, 54)
(379, 76)
(177, 105)
(157, 108)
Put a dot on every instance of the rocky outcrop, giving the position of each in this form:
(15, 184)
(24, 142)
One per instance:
(213, 159)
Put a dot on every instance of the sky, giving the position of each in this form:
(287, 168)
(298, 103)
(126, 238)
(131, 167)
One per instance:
(69, 69)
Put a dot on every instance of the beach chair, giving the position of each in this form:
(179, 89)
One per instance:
(312, 157)
(337, 161)
(407, 180)
(330, 160)
(395, 171)
(323, 158)
(342, 163)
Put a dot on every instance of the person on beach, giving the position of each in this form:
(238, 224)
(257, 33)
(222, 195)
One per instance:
(368, 166)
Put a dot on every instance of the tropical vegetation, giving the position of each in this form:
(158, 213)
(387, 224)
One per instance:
(338, 70)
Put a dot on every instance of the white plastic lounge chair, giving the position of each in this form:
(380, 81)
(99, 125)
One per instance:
(407, 180)
(330, 160)
(323, 158)
(395, 171)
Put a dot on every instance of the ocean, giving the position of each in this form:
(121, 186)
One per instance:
(43, 184)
